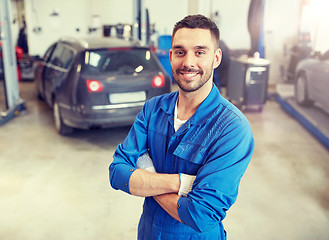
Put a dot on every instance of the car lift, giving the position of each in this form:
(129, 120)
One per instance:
(14, 104)
(313, 119)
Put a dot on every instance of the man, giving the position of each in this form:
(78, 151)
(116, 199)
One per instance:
(187, 150)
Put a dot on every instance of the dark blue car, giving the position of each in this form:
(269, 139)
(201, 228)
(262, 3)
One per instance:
(96, 83)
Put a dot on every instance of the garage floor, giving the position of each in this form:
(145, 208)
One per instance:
(54, 187)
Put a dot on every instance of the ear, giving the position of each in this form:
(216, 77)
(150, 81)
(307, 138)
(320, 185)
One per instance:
(217, 58)
(170, 55)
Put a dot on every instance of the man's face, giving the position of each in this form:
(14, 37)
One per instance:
(193, 58)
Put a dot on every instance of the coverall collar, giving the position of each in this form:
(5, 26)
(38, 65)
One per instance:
(203, 112)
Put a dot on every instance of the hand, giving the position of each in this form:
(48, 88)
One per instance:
(145, 162)
(186, 183)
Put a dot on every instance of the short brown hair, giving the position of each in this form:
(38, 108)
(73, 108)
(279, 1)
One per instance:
(198, 21)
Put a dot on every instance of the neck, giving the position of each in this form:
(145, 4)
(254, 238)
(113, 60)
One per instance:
(188, 102)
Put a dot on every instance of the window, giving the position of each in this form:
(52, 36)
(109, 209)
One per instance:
(62, 56)
(67, 57)
(55, 57)
(123, 61)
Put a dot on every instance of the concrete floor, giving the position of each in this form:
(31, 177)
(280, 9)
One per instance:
(54, 187)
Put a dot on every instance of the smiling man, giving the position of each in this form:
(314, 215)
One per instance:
(194, 56)
(187, 150)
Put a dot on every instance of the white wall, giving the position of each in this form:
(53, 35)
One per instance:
(113, 11)
(315, 20)
(166, 13)
(280, 31)
(232, 21)
(73, 14)
(321, 33)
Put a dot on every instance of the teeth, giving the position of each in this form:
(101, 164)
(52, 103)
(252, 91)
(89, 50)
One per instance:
(190, 74)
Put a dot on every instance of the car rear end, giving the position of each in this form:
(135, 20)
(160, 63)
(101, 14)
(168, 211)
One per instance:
(114, 84)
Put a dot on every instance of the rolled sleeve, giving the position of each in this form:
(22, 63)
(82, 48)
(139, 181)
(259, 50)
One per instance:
(198, 215)
(120, 175)
(184, 212)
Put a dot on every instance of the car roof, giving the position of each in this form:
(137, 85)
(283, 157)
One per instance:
(99, 43)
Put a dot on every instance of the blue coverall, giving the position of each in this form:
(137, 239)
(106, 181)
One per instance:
(215, 144)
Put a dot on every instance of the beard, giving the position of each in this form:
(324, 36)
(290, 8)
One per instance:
(195, 84)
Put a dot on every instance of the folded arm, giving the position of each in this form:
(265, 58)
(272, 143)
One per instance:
(144, 183)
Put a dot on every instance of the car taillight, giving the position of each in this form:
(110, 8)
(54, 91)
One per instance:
(94, 86)
(158, 81)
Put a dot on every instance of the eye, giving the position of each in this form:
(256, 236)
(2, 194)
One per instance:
(200, 53)
(179, 53)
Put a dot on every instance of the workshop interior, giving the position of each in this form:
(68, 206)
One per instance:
(74, 74)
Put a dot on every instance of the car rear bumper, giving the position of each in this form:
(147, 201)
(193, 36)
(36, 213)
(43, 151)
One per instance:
(102, 116)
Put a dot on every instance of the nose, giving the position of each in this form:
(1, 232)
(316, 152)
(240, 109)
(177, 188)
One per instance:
(189, 60)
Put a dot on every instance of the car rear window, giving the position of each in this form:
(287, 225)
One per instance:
(120, 61)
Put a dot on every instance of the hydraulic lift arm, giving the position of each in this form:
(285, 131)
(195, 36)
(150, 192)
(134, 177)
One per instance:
(14, 103)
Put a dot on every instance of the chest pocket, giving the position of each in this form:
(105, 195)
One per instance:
(191, 153)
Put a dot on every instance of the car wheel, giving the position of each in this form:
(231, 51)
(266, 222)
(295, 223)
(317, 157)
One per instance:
(301, 91)
(59, 124)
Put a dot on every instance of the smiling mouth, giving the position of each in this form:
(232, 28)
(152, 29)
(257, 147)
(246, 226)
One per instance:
(189, 73)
